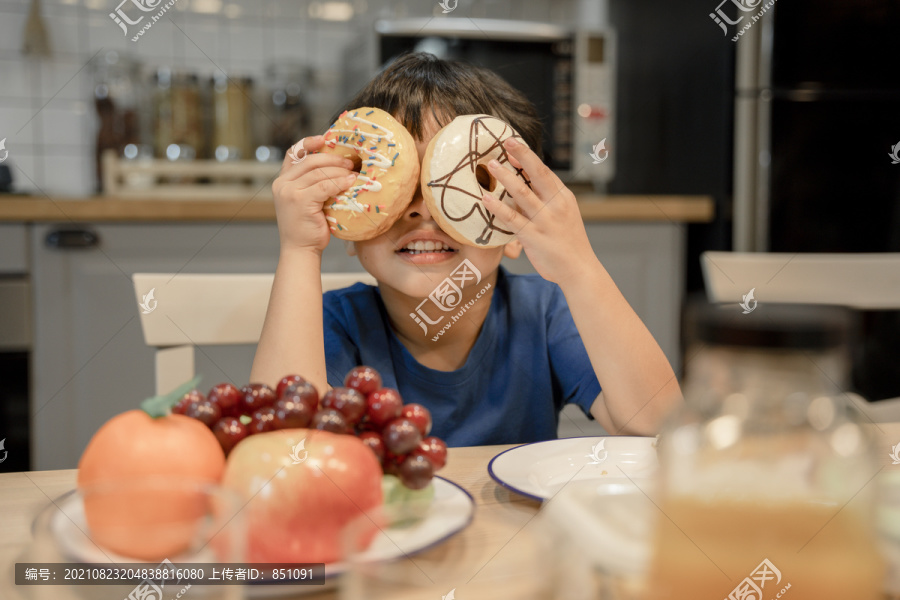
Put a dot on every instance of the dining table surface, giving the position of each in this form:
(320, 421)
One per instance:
(500, 514)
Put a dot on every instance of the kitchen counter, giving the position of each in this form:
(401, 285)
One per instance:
(32, 209)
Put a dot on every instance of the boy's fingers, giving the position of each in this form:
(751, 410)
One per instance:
(525, 199)
(335, 174)
(544, 181)
(291, 172)
(508, 217)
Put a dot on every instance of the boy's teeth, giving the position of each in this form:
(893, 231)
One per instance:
(419, 246)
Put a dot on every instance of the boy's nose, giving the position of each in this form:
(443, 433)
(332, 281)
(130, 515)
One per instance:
(417, 207)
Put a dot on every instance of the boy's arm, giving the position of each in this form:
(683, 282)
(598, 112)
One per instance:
(292, 340)
(639, 386)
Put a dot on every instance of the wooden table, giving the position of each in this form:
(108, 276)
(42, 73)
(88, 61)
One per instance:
(500, 514)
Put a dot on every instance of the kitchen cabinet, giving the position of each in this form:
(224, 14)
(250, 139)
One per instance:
(89, 361)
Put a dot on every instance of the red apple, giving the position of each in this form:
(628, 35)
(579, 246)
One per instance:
(315, 483)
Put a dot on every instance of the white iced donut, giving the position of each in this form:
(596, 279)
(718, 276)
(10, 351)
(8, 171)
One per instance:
(455, 176)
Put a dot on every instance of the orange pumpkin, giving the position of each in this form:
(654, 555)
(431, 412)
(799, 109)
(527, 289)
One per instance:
(127, 476)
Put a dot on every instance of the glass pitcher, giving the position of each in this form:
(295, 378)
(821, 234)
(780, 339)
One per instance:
(767, 481)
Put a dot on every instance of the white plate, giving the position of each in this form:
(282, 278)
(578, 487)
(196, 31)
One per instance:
(450, 512)
(541, 469)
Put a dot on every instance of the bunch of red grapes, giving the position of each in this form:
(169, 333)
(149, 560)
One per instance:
(396, 433)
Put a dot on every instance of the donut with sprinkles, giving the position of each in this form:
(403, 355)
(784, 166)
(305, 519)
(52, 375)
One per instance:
(388, 165)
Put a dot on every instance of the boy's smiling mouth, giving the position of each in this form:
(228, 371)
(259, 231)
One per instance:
(425, 248)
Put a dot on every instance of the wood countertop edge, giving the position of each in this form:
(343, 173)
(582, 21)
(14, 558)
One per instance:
(642, 208)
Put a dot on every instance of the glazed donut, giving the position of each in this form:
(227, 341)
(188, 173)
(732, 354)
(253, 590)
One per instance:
(388, 173)
(455, 176)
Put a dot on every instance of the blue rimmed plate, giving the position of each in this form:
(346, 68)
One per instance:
(539, 470)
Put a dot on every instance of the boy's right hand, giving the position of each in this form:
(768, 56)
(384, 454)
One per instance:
(301, 190)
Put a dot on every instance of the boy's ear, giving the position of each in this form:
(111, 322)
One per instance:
(513, 249)
(350, 247)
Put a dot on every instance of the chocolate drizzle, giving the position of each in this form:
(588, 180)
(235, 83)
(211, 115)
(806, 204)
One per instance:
(468, 164)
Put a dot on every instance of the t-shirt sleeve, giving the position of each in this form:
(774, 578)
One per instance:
(573, 376)
(341, 353)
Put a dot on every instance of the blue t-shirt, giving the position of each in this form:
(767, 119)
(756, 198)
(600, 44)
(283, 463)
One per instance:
(527, 362)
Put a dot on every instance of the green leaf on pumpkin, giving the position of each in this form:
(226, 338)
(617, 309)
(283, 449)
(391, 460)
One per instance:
(160, 406)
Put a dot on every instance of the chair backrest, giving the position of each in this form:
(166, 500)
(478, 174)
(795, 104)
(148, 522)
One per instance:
(861, 281)
(188, 310)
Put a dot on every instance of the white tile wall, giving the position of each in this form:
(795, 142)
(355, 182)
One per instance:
(54, 152)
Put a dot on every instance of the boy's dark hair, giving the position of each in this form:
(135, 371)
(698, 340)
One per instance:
(418, 81)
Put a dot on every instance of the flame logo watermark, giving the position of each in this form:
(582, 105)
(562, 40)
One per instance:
(451, 595)
(292, 153)
(595, 155)
(748, 298)
(595, 457)
(445, 4)
(6, 152)
(895, 454)
(894, 154)
(2, 443)
(296, 453)
(145, 304)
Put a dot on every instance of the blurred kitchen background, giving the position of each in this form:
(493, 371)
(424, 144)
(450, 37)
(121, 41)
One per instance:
(778, 141)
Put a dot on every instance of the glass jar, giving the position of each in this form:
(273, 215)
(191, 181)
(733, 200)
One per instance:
(286, 117)
(178, 124)
(118, 98)
(231, 101)
(766, 479)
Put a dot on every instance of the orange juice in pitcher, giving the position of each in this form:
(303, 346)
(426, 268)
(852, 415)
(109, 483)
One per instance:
(746, 551)
(767, 483)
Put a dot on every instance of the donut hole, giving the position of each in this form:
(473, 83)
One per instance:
(357, 163)
(485, 179)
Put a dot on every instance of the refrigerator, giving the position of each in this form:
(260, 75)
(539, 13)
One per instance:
(817, 139)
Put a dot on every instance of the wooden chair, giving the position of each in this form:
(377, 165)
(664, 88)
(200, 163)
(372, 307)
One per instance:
(861, 281)
(858, 281)
(206, 309)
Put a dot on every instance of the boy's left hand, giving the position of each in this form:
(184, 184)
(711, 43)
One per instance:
(547, 220)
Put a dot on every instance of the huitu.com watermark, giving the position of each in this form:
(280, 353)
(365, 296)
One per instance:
(152, 589)
(753, 586)
(744, 6)
(123, 20)
(447, 296)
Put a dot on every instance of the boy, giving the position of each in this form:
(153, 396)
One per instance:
(524, 346)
